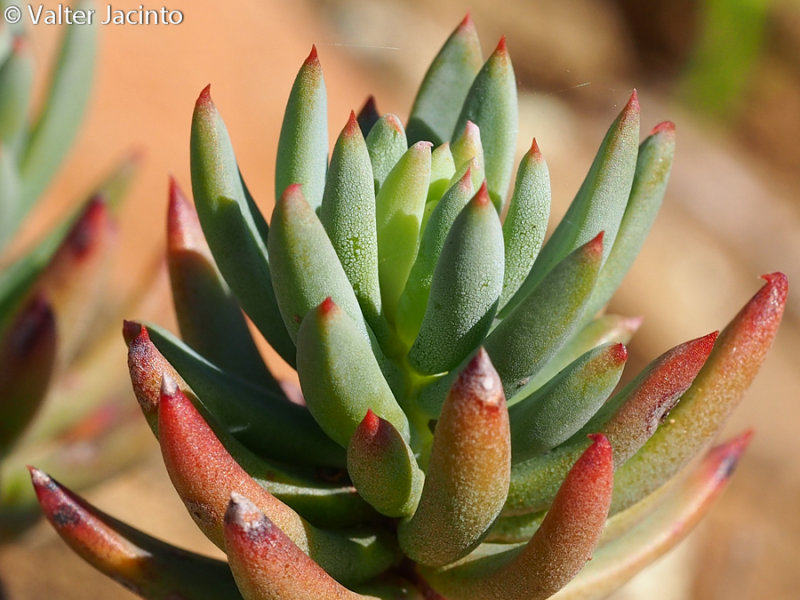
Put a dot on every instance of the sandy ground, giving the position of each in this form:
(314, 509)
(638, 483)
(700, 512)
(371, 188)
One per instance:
(727, 219)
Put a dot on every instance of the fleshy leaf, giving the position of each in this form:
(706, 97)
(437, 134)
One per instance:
(491, 104)
(467, 151)
(627, 419)
(226, 214)
(303, 145)
(147, 566)
(468, 472)
(268, 565)
(526, 222)
(205, 474)
(445, 86)
(339, 386)
(650, 179)
(557, 410)
(465, 289)
(559, 549)
(348, 215)
(209, 317)
(605, 329)
(411, 307)
(528, 337)
(289, 434)
(400, 205)
(383, 468)
(703, 409)
(599, 204)
(386, 144)
(615, 563)
(305, 267)
(443, 168)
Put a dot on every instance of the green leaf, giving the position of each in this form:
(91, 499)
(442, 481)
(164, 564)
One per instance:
(303, 144)
(526, 222)
(11, 210)
(62, 112)
(400, 205)
(386, 144)
(412, 303)
(340, 377)
(383, 468)
(557, 410)
(649, 184)
(492, 105)
(465, 289)
(528, 337)
(305, 267)
(445, 86)
(599, 204)
(226, 213)
(348, 215)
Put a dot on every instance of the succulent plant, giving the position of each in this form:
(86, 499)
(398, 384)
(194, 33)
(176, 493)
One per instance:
(461, 431)
(56, 374)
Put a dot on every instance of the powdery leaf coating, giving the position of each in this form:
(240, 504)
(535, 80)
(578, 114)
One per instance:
(465, 288)
(305, 267)
(525, 223)
(348, 215)
(445, 85)
(302, 156)
(468, 473)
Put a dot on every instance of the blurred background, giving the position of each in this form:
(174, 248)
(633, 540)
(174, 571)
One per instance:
(727, 72)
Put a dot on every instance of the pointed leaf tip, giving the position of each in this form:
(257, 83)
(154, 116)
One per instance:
(131, 330)
(370, 423)
(501, 46)
(313, 57)
(595, 245)
(482, 197)
(633, 103)
(205, 96)
(327, 306)
(466, 22)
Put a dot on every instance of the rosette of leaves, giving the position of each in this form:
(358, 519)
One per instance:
(57, 376)
(461, 433)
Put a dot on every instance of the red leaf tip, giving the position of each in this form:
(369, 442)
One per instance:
(482, 197)
(370, 423)
(313, 58)
(205, 95)
(352, 125)
(327, 306)
(132, 330)
(466, 22)
(595, 245)
(777, 280)
(619, 353)
(600, 441)
(633, 102)
(665, 127)
(501, 46)
(535, 152)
